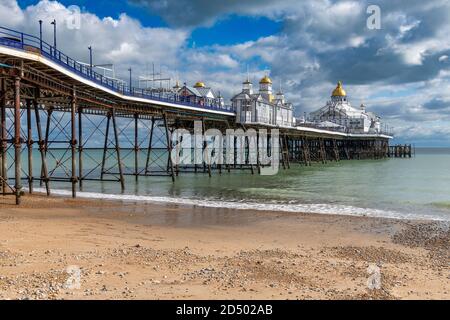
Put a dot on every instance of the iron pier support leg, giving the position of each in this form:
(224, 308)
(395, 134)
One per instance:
(286, 142)
(80, 147)
(258, 164)
(73, 142)
(136, 146)
(149, 150)
(44, 172)
(30, 148)
(119, 160)
(3, 134)
(205, 145)
(17, 140)
(169, 147)
(47, 132)
(283, 160)
(306, 152)
(105, 147)
(247, 141)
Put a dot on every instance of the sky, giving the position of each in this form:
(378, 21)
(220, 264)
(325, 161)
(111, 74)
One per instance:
(400, 71)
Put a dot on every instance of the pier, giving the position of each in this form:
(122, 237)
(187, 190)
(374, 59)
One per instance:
(64, 110)
(401, 151)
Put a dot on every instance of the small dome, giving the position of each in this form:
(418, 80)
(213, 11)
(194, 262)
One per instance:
(199, 85)
(339, 91)
(266, 79)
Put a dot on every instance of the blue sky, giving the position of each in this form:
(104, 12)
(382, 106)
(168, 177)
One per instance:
(109, 8)
(401, 71)
(230, 29)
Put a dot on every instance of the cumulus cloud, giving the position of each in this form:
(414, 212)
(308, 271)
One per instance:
(10, 13)
(193, 13)
(123, 41)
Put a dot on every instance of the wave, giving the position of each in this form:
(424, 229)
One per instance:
(331, 209)
(442, 205)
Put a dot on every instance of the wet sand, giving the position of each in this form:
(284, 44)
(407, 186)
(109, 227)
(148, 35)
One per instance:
(127, 250)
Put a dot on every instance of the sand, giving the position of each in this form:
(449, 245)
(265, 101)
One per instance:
(57, 248)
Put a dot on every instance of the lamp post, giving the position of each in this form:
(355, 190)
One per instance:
(40, 33)
(54, 34)
(90, 59)
(130, 79)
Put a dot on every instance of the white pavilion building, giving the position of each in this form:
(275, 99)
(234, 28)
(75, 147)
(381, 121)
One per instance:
(262, 106)
(338, 113)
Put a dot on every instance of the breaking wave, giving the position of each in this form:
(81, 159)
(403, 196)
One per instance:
(330, 209)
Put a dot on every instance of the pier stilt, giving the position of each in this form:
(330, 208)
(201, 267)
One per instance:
(149, 150)
(207, 161)
(42, 143)
(47, 132)
(169, 147)
(73, 143)
(136, 146)
(80, 147)
(29, 147)
(105, 145)
(3, 145)
(117, 147)
(17, 140)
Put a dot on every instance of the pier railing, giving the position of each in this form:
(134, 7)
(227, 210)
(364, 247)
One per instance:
(342, 129)
(26, 42)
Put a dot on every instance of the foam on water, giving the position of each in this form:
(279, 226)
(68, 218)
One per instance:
(299, 208)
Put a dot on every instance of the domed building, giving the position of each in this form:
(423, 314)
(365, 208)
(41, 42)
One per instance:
(200, 94)
(338, 112)
(262, 106)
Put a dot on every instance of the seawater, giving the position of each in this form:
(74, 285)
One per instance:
(416, 188)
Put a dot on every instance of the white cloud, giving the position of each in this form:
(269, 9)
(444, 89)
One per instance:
(123, 41)
(10, 13)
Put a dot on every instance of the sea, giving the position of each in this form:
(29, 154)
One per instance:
(404, 188)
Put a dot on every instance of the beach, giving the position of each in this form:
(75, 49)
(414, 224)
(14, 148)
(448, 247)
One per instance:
(130, 250)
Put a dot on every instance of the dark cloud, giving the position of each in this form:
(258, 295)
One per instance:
(437, 104)
(334, 34)
(192, 13)
(364, 66)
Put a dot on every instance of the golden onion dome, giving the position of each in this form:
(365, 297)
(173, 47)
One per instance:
(199, 85)
(339, 91)
(266, 79)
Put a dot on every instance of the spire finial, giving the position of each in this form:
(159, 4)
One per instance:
(248, 74)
